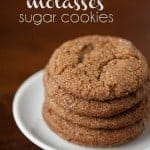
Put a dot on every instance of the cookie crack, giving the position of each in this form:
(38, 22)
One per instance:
(104, 64)
(62, 70)
(112, 87)
(86, 49)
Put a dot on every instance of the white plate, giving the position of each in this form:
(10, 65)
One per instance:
(27, 108)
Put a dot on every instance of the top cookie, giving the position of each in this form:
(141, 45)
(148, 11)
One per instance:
(98, 67)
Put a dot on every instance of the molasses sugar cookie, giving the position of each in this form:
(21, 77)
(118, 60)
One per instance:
(98, 67)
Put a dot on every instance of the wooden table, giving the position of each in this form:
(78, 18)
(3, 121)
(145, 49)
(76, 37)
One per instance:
(26, 48)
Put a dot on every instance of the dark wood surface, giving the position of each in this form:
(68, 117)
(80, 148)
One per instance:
(25, 49)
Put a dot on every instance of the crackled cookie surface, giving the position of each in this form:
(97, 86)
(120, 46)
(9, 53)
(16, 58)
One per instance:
(99, 67)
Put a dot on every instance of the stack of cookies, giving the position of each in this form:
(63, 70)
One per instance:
(96, 91)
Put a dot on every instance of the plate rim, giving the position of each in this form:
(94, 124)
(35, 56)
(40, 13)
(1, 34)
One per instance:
(16, 116)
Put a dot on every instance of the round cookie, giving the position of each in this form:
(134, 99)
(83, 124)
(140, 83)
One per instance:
(98, 67)
(92, 107)
(92, 137)
(121, 120)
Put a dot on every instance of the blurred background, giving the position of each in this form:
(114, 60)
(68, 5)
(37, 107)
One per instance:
(26, 48)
